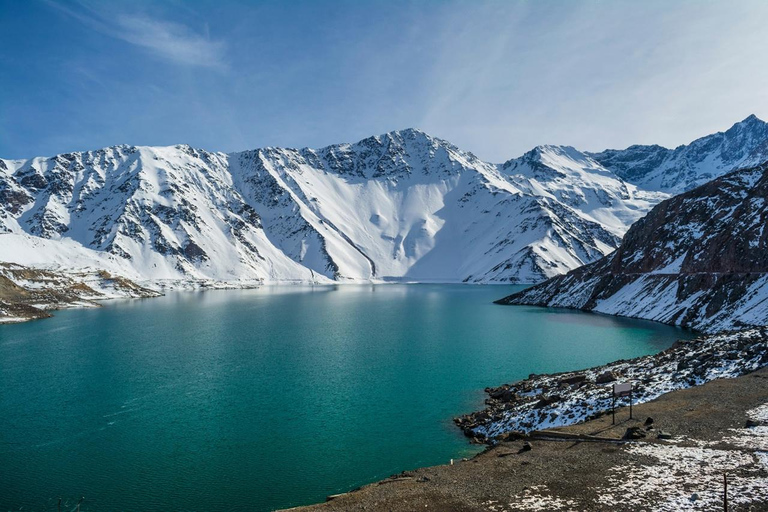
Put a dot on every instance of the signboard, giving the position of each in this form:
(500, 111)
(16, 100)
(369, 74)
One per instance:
(619, 390)
(623, 389)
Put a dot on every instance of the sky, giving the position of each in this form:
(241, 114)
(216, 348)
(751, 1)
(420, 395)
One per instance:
(493, 77)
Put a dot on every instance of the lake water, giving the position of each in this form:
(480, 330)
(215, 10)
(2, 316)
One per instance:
(268, 398)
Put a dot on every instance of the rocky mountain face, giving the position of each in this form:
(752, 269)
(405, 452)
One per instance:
(401, 206)
(699, 260)
(676, 170)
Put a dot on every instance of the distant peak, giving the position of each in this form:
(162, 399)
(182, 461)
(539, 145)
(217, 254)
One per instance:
(556, 148)
(407, 133)
(404, 135)
(750, 121)
(411, 131)
(545, 150)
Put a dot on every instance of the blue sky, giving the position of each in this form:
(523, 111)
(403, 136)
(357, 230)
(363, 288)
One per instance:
(495, 78)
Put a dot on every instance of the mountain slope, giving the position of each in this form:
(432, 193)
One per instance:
(677, 170)
(698, 260)
(400, 206)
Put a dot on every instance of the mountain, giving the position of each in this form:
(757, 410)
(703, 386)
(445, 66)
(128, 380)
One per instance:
(677, 170)
(400, 206)
(699, 260)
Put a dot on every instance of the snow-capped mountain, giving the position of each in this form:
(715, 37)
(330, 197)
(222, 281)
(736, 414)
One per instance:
(696, 260)
(677, 170)
(403, 205)
(400, 206)
(148, 213)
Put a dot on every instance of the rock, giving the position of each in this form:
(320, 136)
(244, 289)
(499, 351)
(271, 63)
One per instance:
(503, 394)
(664, 435)
(694, 497)
(526, 447)
(575, 379)
(648, 422)
(605, 377)
(510, 436)
(752, 423)
(634, 433)
(543, 402)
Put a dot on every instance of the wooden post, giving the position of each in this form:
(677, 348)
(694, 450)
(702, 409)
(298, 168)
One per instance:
(630, 402)
(613, 407)
(59, 506)
(725, 492)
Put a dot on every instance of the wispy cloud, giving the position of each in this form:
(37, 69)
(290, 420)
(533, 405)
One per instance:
(165, 39)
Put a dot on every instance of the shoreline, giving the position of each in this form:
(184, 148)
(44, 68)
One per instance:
(62, 297)
(675, 462)
(572, 407)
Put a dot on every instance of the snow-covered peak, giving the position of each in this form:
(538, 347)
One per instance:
(574, 178)
(394, 156)
(400, 205)
(545, 160)
(689, 165)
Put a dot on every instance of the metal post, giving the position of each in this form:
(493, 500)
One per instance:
(630, 402)
(725, 492)
(59, 506)
(613, 407)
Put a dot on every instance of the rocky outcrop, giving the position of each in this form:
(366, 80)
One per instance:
(698, 260)
(29, 293)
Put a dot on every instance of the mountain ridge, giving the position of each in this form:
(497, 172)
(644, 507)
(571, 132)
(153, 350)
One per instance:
(397, 206)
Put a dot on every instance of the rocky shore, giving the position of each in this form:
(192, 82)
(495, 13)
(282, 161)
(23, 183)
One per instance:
(545, 401)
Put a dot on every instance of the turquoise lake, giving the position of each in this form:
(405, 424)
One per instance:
(268, 398)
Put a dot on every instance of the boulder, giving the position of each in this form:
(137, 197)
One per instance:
(605, 377)
(634, 433)
(574, 379)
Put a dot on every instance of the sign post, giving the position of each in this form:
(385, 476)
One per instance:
(619, 390)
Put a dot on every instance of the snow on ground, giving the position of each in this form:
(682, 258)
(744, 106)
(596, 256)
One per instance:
(673, 478)
(536, 498)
